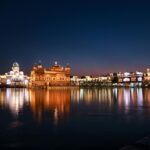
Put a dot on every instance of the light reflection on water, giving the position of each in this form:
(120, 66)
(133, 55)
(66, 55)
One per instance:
(59, 101)
(74, 115)
(14, 99)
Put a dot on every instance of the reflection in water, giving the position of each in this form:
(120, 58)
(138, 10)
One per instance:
(53, 117)
(56, 103)
(140, 97)
(115, 90)
(107, 98)
(127, 97)
(90, 95)
(14, 99)
(131, 97)
(147, 96)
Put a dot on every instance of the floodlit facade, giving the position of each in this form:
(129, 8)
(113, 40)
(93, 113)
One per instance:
(75, 81)
(57, 75)
(126, 79)
(130, 79)
(52, 76)
(14, 78)
(147, 78)
(91, 81)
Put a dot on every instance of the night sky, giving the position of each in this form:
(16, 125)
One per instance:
(94, 37)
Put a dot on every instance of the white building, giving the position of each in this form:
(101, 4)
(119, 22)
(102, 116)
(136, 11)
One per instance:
(15, 77)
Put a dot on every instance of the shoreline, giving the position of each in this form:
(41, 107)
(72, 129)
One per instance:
(77, 87)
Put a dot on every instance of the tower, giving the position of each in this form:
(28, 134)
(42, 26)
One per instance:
(67, 70)
(15, 67)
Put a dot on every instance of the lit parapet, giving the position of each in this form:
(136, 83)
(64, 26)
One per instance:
(139, 73)
(126, 79)
(126, 74)
(8, 82)
(21, 73)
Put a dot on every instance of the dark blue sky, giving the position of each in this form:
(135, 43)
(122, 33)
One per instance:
(95, 37)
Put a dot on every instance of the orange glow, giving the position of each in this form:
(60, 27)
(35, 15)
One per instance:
(57, 101)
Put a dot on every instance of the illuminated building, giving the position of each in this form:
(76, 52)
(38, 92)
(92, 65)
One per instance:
(147, 78)
(91, 81)
(52, 76)
(75, 81)
(130, 79)
(14, 78)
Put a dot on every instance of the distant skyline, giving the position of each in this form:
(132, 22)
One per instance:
(94, 37)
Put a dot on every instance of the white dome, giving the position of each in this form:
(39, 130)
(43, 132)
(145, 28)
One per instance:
(15, 64)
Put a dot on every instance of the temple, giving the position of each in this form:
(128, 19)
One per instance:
(55, 75)
(14, 78)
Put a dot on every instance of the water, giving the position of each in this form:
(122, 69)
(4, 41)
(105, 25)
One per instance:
(105, 118)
